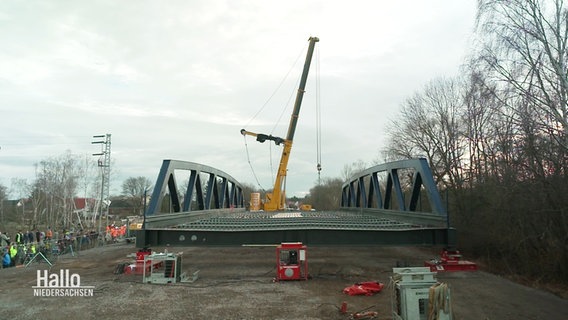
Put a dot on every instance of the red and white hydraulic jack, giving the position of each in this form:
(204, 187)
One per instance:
(450, 260)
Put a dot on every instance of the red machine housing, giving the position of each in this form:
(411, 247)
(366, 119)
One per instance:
(291, 261)
(450, 260)
(138, 266)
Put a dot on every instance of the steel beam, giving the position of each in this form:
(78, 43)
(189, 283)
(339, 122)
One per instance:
(180, 237)
(337, 227)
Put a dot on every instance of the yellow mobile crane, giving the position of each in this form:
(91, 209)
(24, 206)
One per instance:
(276, 200)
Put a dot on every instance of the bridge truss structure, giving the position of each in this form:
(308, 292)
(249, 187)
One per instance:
(383, 205)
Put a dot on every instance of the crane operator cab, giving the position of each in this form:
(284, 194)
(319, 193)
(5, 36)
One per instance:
(291, 261)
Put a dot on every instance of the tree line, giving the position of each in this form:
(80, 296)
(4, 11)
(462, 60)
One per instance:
(496, 138)
(49, 199)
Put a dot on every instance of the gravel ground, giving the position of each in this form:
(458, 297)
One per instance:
(237, 283)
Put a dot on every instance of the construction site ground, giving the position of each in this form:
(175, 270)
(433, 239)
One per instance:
(237, 283)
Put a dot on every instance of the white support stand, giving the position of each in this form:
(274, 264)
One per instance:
(413, 288)
(164, 268)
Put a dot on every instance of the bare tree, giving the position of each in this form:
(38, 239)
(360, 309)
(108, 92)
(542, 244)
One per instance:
(135, 188)
(498, 140)
(352, 169)
(326, 195)
(479, 103)
(525, 46)
(517, 128)
(3, 197)
(23, 191)
(430, 125)
(54, 190)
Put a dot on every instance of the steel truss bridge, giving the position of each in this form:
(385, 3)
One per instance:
(395, 203)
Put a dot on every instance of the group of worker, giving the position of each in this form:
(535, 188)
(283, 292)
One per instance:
(24, 244)
(114, 232)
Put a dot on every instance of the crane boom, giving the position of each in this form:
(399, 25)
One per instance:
(301, 90)
(277, 199)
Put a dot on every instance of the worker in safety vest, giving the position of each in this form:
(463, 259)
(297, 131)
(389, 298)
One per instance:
(19, 237)
(13, 253)
(48, 234)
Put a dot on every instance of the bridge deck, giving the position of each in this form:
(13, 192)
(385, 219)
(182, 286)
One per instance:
(286, 220)
(312, 228)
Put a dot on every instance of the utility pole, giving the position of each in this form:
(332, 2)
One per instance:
(104, 164)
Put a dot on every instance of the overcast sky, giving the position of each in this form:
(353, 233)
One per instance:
(179, 79)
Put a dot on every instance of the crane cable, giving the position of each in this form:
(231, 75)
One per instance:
(318, 116)
(280, 117)
(250, 165)
(275, 90)
(284, 109)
